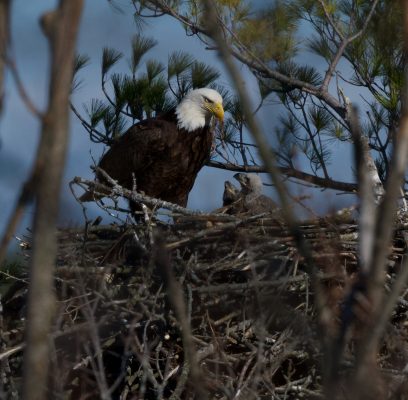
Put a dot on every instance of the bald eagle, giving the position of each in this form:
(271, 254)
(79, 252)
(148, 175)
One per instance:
(231, 194)
(253, 201)
(163, 155)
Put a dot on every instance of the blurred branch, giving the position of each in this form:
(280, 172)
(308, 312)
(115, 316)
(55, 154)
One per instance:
(175, 294)
(4, 43)
(25, 197)
(368, 210)
(21, 89)
(366, 191)
(28, 189)
(384, 312)
(268, 158)
(384, 228)
(264, 151)
(62, 32)
(345, 41)
(6, 60)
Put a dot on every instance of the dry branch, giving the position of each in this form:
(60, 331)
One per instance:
(247, 308)
(290, 173)
(4, 42)
(50, 162)
(117, 190)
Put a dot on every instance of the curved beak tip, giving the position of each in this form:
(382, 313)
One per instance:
(219, 112)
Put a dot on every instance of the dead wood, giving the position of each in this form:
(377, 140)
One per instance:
(238, 301)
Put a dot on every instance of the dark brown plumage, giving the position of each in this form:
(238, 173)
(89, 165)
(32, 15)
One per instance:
(165, 154)
(165, 161)
(231, 194)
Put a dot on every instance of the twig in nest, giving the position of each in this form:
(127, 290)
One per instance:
(117, 190)
(215, 230)
(175, 293)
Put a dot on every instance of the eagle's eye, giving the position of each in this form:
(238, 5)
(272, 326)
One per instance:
(206, 99)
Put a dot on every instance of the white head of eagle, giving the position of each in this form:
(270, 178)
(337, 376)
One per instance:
(197, 108)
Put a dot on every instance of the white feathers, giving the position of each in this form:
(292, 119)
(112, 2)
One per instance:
(251, 192)
(255, 184)
(192, 112)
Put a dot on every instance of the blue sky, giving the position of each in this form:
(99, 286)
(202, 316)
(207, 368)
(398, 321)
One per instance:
(101, 26)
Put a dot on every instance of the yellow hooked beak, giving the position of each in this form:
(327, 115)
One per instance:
(217, 110)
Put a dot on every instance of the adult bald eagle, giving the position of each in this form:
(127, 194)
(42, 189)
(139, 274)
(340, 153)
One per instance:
(164, 154)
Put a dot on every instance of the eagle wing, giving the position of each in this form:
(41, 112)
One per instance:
(133, 154)
(160, 159)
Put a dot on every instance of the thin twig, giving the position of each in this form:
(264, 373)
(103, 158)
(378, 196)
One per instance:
(4, 44)
(21, 89)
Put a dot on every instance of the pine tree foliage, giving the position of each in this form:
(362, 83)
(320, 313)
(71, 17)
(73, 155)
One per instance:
(140, 46)
(312, 59)
(148, 89)
(109, 58)
(96, 111)
(81, 61)
(269, 33)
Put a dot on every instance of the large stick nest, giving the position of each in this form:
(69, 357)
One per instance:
(248, 303)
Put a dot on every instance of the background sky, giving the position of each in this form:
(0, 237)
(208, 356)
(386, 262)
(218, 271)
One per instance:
(103, 26)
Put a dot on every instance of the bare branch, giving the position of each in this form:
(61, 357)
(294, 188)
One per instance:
(366, 192)
(330, 20)
(264, 151)
(51, 158)
(117, 190)
(254, 63)
(21, 89)
(384, 228)
(25, 197)
(4, 43)
(384, 312)
(344, 43)
(175, 294)
(267, 157)
(290, 172)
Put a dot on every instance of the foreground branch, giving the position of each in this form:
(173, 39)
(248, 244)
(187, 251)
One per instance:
(62, 29)
(383, 231)
(4, 41)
